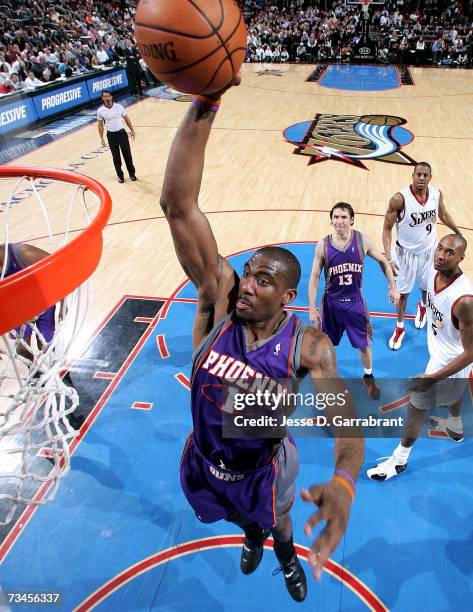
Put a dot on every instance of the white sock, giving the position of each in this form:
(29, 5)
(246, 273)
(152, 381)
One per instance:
(368, 371)
(400, 324)
(402, 453)
(455, 423)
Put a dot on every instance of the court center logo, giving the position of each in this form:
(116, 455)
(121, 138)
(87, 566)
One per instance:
(352, 139)
(164, 92)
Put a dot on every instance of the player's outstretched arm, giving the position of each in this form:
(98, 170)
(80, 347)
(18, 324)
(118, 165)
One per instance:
(193, 238)
(396, 205)
(333, 498)
(375, 253)
(314, 283)
(445, 217)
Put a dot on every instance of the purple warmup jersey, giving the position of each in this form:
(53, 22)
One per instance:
(225, 356)
(344, 268)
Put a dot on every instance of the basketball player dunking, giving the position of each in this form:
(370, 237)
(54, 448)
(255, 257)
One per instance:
(343, 307)
(241, 330)
(414, 210)
(450, 341)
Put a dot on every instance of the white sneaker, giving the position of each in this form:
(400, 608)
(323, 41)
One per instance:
(441, 424)
(387, 469)
(396, 339)
(421, 316)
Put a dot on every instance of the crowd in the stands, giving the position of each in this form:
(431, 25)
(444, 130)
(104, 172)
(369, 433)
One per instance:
(422, 32)
(41, 41)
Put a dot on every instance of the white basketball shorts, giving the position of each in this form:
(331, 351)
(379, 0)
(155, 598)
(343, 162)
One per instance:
(414, 268)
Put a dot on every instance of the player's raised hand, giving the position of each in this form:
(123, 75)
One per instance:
(334, 504)
(421, 383)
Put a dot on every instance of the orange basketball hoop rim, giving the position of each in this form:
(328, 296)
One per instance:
(30, 291)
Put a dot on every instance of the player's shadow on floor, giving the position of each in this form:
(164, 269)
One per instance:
(120, 474)
(384, 560)
(180, 351)
(446, 518)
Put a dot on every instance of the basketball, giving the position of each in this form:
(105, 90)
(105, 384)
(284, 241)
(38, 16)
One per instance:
(197, 46)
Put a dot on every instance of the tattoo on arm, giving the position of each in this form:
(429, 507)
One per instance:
(314, 345)
(202, 114)
(328, 362)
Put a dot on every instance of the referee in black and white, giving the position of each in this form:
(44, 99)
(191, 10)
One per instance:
(111, 116)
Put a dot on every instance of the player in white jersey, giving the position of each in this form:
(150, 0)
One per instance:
(450, 341)
(414, 210)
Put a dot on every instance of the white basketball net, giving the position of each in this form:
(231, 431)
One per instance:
(36, 404)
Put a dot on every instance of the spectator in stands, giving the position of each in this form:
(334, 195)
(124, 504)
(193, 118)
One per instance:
(311, 48)
(4, 72)
(87, 64)
(420, 51)
(47, 76)
(301, 53)
(102, 55)
(346, 54)
(6, 87)
(32, 81)
(437, 51)
(15, 80)
(110, 52)
(404, 51)
(133, 69)
(383, 54)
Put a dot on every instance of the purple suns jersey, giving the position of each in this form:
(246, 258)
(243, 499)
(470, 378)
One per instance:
(14, 261)
(224, 356)
(344, 268)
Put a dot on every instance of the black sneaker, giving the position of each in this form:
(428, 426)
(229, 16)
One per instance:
(133, 177)
(121, 179)
(252, 553)
(370, 383)
(294, 576)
